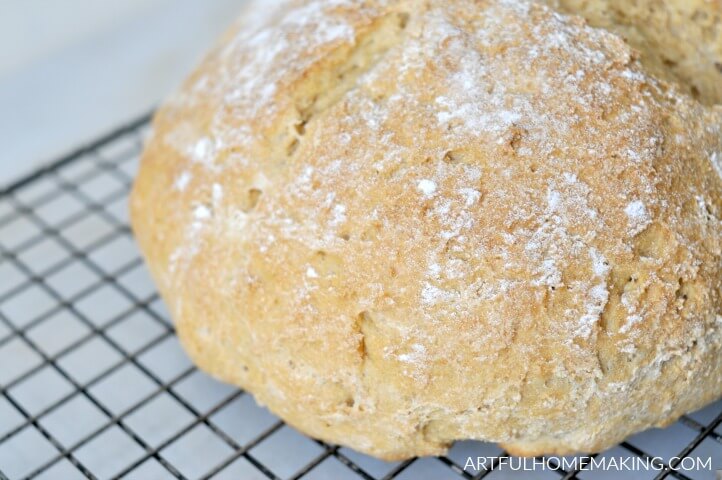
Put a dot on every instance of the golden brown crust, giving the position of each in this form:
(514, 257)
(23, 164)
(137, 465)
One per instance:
(402, 224)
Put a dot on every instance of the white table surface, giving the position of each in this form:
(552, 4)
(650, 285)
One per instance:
(72, 70)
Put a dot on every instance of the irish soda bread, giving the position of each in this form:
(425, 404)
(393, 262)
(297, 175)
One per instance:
(403, 223)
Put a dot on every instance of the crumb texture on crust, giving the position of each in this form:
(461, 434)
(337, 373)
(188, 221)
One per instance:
(403, 223)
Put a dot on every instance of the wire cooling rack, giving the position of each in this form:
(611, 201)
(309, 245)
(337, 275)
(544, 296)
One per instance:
(93, 383)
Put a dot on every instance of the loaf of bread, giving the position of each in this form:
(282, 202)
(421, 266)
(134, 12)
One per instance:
(404, 223)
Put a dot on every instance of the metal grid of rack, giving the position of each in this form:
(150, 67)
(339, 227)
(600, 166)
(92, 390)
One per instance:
(93, 383)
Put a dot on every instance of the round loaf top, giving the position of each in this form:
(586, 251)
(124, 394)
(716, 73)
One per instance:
(403, 223)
